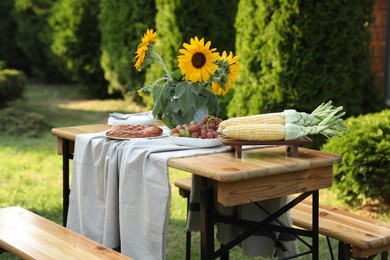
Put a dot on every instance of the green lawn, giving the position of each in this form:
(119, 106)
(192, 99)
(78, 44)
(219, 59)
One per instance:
(31, 170)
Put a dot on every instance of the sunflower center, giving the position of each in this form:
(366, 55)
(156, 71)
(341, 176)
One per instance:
(198, 60)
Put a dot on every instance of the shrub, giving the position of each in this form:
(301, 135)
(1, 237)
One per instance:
(10, 53)
(12, 84)
(76, 43)
(365, 169)
(297, 54)
(122, 24)
(16, 121)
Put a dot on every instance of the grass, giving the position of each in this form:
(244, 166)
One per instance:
(31, 170)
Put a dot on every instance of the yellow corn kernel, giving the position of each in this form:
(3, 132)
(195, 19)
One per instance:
(270, 118)
(256, 132)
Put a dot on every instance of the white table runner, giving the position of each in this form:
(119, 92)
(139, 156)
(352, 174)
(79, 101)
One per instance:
(120, 192)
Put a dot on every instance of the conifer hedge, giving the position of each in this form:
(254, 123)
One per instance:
(33, 37)
(297, 54)
(122, 24)
(76, 43)
(10, 53)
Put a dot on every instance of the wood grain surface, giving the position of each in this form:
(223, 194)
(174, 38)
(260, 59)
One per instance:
(368, 236)
(30, 236)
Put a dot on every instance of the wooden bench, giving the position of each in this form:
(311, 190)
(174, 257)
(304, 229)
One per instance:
(30, 236)
(359, 237)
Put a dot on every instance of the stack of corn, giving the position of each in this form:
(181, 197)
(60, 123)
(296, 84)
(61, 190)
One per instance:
(286, 125)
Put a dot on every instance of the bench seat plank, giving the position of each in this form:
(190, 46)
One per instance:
(367, 236)
(30, 236)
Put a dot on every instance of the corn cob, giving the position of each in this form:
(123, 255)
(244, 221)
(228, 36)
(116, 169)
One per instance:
(323, 114)
(256, 132)
(270, 118)
(271, 132)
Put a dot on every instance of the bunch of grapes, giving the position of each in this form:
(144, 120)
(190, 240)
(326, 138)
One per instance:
(207, 128)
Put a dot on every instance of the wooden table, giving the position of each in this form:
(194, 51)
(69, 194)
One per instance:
(260, 174)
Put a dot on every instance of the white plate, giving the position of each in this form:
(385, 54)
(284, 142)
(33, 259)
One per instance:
(195, 142)
(118, 138)
(128, 138)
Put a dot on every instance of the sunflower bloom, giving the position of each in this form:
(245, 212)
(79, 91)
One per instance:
(197, 60)
(229, 73)
(149, 38)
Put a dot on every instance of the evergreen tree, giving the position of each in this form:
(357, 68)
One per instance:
(76, 43)
(297, 54)
(10, 54)
(33, 37)
(122, 24)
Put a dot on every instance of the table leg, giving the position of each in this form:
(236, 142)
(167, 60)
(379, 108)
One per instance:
(315, 220)
(65, 180)
(206, 219)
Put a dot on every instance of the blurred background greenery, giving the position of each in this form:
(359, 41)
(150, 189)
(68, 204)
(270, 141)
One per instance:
(70, 62)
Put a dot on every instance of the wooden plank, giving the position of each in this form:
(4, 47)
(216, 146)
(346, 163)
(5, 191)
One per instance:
(30, 236)
(364, 233)
(224, 167)
(236, 193)
(69, 133)
(363, 253)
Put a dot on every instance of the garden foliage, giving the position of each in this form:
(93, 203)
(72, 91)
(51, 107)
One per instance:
(365, 169)
(12, 84)
(33, 37)
(10, 54)
(122, 24)
(297, 54)
(75, 43)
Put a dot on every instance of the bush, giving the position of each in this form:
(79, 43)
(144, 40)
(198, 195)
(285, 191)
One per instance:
(76, 43)
(365, 169)
(12, 84)
(10, 53)
(298, 54)
(33, 36)
(15, 121)
(122, 24)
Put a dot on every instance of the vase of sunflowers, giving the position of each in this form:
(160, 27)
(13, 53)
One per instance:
(201, 75)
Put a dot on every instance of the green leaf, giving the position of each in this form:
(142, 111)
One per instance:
(185, 96)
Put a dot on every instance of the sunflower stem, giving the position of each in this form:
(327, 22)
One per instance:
(161, 61)
(162, 79)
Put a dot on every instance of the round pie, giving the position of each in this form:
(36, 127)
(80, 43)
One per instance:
(134, 131)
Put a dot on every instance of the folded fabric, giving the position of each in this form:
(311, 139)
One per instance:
(120, 191)
(137, 119)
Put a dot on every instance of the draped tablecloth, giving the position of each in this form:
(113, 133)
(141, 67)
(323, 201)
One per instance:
(120, 192)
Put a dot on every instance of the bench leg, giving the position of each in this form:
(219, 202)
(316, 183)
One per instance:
(66, 156)
(385, 255)
(188, 233)
(344, 251)
(330, 248)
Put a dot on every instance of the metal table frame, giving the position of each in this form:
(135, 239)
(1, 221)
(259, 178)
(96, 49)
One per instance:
(66, 157)
(208, 217)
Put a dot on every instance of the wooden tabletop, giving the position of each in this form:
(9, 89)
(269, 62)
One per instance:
(70, 132)
(254, 163)
(262, 172)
